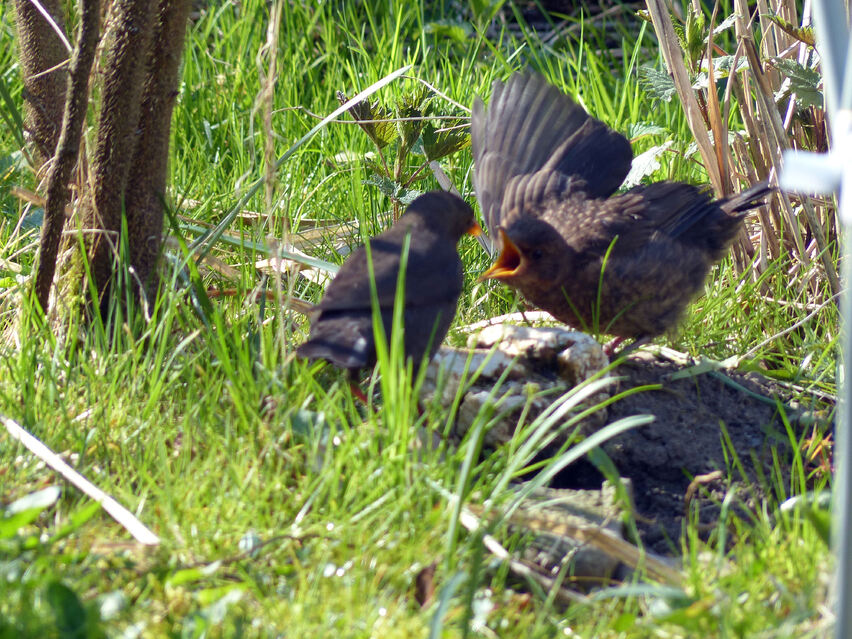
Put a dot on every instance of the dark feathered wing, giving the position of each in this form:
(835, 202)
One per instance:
(342, 332)
(653, 214)
(530, 125)
(345, 340)
(432, 271)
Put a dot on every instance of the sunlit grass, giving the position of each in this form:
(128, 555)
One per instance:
(201, 421)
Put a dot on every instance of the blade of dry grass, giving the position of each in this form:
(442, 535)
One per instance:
(673, 57)
(54, 461)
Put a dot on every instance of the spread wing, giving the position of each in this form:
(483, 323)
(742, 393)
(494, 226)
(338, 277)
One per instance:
(530, 126)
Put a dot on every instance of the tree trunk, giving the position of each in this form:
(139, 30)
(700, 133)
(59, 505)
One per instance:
(41, 52)
(127, 39)
(147, 185)
(120, 208)
(67, 149)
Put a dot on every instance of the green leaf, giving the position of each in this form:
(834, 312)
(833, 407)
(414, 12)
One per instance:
(640, 129)
(411, 105)
(393, 190)
(188, 575)
(645, 164)
(724, 25)
(802, 34)
(722, 65)
(656, 83)
(9, 526)
(694, 37)
(436, 144)
(803, 81)
(446, 30)
(68, 610)
(26, 509)
(364, 113)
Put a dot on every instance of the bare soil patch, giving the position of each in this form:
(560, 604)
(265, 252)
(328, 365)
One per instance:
(686, 440)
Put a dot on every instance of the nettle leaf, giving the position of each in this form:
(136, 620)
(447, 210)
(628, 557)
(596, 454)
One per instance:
(801, 80)
(645, 164)
(394, 190)
(722, 64)
(656, 83)
(724, 25)
(693, 37)
(721, 71)
(438, 143)
(679, 32)
(381, 132)
(802, 34)
(373, 165)
(411, 105)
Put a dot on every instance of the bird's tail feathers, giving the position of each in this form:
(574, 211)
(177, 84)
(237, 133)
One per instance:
(750, 198)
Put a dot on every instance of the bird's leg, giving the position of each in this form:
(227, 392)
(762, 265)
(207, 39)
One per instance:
(609, 347)
(524, 315)
(357, 392)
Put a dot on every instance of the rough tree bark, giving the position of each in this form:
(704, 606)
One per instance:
(125, 187)
(148, 172)
(42, 52)
(127, 37)
(67, 148)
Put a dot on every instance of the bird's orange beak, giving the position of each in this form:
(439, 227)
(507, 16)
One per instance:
(475, 229)
(508, 262)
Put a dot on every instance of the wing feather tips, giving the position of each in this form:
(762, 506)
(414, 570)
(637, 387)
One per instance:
(532, 125)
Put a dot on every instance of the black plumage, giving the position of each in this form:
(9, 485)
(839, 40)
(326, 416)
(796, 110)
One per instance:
(342, 323)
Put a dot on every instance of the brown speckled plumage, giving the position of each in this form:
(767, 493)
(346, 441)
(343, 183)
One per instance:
(626, 265)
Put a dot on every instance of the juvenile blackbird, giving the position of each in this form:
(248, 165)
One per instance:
(342, 326)
(626, 265)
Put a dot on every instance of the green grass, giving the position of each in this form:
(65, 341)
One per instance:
(203, 424)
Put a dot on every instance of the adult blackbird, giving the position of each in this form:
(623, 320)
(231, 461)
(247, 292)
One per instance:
(627, 264)
(342, 326)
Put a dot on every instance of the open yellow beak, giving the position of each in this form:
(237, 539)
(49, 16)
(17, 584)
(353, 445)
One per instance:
(508, 262)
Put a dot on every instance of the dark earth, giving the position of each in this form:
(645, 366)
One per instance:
(686, 441)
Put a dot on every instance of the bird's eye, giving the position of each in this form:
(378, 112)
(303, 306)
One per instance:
(537, 254)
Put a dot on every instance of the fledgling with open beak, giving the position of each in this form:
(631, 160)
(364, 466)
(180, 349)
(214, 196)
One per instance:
(623, 264)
